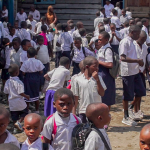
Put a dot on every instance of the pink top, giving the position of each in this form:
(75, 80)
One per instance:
(45, 38)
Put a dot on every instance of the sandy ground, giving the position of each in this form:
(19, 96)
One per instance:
(122, 137)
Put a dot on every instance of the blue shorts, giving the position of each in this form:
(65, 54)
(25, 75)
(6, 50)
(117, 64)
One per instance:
(133, 85)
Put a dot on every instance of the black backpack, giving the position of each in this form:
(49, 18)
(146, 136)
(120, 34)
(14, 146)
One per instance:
(2, 60)
(81, 132)
(72, 52)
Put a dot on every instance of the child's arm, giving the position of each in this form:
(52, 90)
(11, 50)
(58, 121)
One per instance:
(106, 64)
(100, 89)
(111, 39)
(24, 95)
(47, 77)
(119, 39)
(76, 98)
(90, 45)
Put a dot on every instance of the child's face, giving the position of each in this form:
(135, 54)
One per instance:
(30, 18)
(135, 35)
(16, 45)
(144, 140)
(97, 46)
(131, 22)
(123, 13)
(27, 46)
(103, 11)
(32, 128)
(77, 44)
(12, 32)
(112, 28)
(142, 40)
(16, 25)
(40, 41)
(64, 105)
(93, 67)
(3, 124)
(102, 41)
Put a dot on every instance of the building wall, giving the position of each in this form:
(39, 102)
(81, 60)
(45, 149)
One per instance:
(78, 10)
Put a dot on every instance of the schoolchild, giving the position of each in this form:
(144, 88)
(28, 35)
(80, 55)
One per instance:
(106, 24)
(97, 20)
(82, 32)
(31, 21)
(12, 35)
(72, 29)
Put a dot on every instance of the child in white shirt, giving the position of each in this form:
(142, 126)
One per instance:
(15, 89)
(82, 32)
(33, 122)
(4, 12)
(106, 24)
(124, 32)
(98, 114)
(12, 35)
(58, 78)
(97, 20)
(63, 120)
(29, 29)
(76, 32)
(5, 22)
(72, 29)
(6, 136)
(32, 22)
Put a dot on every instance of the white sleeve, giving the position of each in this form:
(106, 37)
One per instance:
(76, 88)
(19, 87)
(38, 18)
(6, 88)
(50, 73)
(23, 67)
(88, 52)
(102, 83)
(28, 36)
(41, 66)
(25, 16)
(59, 39)
(68, 76)
(123, 48)
(108, 55)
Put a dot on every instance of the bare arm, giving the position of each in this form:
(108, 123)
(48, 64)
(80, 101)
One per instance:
(111, 40)
(24, 95)
(106, 64)
(55, 19)
(47, 77)
(76, 98)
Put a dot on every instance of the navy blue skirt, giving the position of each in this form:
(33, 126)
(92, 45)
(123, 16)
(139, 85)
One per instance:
(110, 92)
(32, 85)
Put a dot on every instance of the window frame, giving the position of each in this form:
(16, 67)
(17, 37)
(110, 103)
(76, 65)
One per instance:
(44, 2)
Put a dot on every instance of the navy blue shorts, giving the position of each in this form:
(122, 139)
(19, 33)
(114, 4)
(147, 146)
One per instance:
(133, 85)
(16, 115)
(5, 74)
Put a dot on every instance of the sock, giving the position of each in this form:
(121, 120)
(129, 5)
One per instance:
(126, 114)
(131, 106)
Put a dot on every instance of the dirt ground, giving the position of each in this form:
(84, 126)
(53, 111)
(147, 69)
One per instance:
(122, 137)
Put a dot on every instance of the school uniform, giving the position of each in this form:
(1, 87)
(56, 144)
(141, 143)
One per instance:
(110, 93)
(96, 22)
(23, 56)
(39, 25)
(125, 18)
(119, 11)
(132, 82)
(33, 23)
(71, 32)
(11, 139)
(115, 43)
(5, 24)
(31, 68)
(116, 21)
(107, 27)
(33, 44)
(62, 139)
(16, 31)
(10, 37)
(108, 9)
(93, 40)
(84, 41)
(36, 145)
(76, 34)
(78, 56)
(2, 31)
(65, 40)
(14, 87)
(144, 28)
(6, 13)
(129, 13)
(94, 141)
(58, 77)
(31, 32)
(101, 15)
(50, 37)
(124, 32)
(35, 14)
(23, 34)
(21, 17)
(87, 92)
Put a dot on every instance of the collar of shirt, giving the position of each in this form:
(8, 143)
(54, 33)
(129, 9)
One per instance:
(105, 46)
(86, 78)
(61, 67)
(14, 78)
(129, 38)
(31, 59)
(35, 144)
(10, 138)
(59, 120)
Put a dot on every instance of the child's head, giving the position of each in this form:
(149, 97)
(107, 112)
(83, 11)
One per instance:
(8, 146)
(118, 4)
(102, 9)
(65, 27)
(134, 32)
(101, 29)
(29, 26)
(115, 12)
(43, 19)
(69, 21)
(106, 20)
(63, 102)
(30, 17)
(16, 43)
(142, 37)
(12, 30)
(131, 22)
(90, 64)
(13, 70)
(59, 27)
(139, 24)
(112, 27)
(81, 66)
(145, 22)
(127, 9)
(123, 12)
(23, 24)
(5, 41)
(44, 28)
(64, 61)
(126, 24)
(4, 7)
(33, 125)
(21, 11)
(108, 2)
(32, 8)
(137, 20)
(6, 19)
(82, 32)
(31, 52)
(71, 25)
(97, 45)
(98, 13)
(26, 44)
(79, 25)
(98, 114)
(16, 24)
(77, 42)
(100, 24)
(103, 38)
(145, 138)
(4, 120)
(40, 39)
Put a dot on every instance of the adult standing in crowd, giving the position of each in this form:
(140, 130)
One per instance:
(51, 17)
(35, 13)
(108, 8)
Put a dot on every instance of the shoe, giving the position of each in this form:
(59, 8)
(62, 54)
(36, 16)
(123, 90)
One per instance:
(134, 116)
(18, 125)
(42, 96)
(128, 121)
(141, 114)
(37, 112)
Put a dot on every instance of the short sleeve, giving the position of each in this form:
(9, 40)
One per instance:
(89, 53)
(50, 73)
(102, 83)
(76, 88)
(68, 75)
(59, 40)
(41, 66)
(108, 55)
(23, 67)
(123, 48)
(19, 87)
(6, 88)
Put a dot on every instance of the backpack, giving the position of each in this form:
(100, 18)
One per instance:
(114, 71)
(72, 52)
(80, 134)
(2, 61)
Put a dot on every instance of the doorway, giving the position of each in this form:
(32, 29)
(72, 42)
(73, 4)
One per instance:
(114, 3)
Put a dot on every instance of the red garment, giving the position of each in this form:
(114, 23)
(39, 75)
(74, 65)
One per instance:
(45, 38)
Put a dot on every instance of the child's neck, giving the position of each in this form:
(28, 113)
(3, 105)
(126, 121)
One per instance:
(3, 137)
(87, 75)
(30, 142)
(17, 50)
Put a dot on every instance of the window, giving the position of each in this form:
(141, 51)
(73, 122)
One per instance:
(44, 1)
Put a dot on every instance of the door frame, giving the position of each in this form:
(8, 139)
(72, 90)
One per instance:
(114, 6)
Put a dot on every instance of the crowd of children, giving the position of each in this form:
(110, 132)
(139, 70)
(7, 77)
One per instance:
(27, 48)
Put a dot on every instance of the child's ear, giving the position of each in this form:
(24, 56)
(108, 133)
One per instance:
(54, 104)
(99, 117)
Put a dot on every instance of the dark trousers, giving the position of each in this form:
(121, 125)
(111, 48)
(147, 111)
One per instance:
(66, 54)
(76, 68)
(57, 58)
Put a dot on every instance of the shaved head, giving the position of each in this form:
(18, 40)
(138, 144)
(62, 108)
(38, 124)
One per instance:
(139, 23)
(4, 112)
(8, 146)
(143, 34)
(145, 130)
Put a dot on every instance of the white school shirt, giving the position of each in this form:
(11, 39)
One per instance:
(56, 48)
(5, 24)
(11, 139)
(58, 77)
(115, 41)
(141, 54)
(33, 23)
(35, 14)
(96, 22)
(50, 36)
(124, 32)
(33, 44)
(94, 141)
(23, 56)
(108, 54)
(36, 145)
(116, 21)
(62, 139)
(16, 31)
(23, 34)
(87, 92)
(129, 13)
(101, 15)
(84, 41)
(65, 40)
(32, 65)
(2, 30)
(11, 37)
(108, 9)
(14, 87)
(107, 27)
(119, 11)
(39, 25)
(125, 18)
(79, 55)
(21, 17)
(71, 32)
(31, 32)
(15, 56)
(6, 13)
(145, 29)
(76, 34)
(42, 54)
(127, 47)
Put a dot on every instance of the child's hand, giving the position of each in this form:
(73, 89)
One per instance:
(27, 97)
(140, 62)
(95, 75)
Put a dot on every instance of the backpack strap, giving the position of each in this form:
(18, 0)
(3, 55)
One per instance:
(102, 137)
(83, 49)
(77, 121)
(109, 48)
